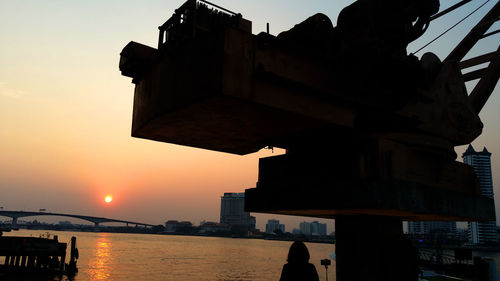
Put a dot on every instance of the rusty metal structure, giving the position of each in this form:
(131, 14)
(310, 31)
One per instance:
(383, 123)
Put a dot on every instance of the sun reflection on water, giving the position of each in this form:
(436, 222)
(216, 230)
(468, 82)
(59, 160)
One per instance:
(100, 264)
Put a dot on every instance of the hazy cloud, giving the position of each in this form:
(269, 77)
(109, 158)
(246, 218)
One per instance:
(5, 91)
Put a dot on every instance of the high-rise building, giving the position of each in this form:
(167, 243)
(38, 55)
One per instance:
(312, 228)
(232, 212)
(417, 227)
(318, 228)
(444, 229)
(481, 232)
(305, 228)
(273, 225)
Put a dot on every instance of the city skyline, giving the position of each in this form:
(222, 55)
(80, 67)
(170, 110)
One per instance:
(66, 112)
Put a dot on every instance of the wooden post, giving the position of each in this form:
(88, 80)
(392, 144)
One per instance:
(63, 259)
(23, 261)
(31, 261)
(73, 256)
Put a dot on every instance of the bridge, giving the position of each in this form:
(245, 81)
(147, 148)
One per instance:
(96, 220)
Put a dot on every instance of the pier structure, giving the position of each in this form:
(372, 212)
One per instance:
(41, 257)
(369, 131)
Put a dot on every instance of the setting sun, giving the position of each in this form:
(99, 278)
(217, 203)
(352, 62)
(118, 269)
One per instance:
(108, 199)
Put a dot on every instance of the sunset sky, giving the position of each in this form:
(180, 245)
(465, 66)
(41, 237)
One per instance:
(66, 111)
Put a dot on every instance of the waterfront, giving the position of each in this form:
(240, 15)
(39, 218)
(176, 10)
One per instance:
(117, 256)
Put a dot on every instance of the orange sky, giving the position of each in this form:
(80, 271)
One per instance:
(65, 113)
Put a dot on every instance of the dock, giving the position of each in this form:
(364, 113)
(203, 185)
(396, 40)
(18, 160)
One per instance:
(30, 256)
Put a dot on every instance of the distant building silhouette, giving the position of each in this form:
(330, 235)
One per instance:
(481, 232)
(273, 225)
(433, 229)
(312, 228)
(232, 212)
(176, 226)
(214, 227)
(65, 223)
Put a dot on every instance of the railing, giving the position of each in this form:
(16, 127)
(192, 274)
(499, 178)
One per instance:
(196, 15)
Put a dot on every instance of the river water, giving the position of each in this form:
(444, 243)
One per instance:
(117, 256)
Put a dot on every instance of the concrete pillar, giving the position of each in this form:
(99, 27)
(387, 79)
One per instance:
(373, 248)
(14, 222)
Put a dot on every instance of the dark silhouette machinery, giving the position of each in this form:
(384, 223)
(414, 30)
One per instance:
(369, 130)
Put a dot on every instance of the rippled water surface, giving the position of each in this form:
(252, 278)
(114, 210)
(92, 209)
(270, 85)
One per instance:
(116, 256)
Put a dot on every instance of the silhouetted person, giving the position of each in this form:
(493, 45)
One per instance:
(298, 267)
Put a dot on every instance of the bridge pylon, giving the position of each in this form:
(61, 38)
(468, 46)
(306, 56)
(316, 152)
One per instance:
(14, 222)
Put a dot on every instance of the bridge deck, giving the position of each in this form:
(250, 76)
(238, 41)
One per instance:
(96, 220)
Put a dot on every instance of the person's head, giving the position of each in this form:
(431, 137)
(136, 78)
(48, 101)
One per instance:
(298, 253)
